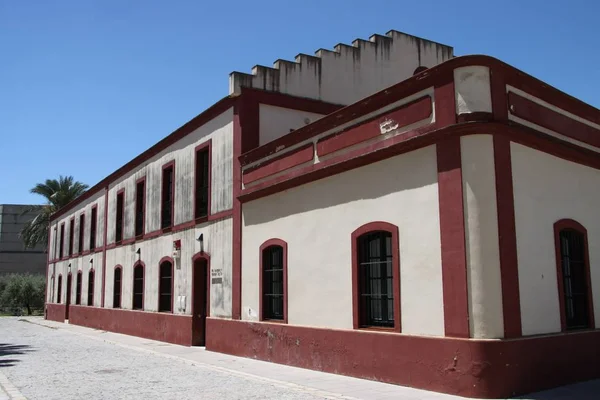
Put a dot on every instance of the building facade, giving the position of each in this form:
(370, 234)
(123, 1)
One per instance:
(385, 210)
(14, 257)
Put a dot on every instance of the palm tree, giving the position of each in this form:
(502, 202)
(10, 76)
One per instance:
(58, 193)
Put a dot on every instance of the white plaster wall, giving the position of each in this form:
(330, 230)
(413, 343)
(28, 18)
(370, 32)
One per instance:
(547, 189)
(275, 122)
(481, 237)
(349, 73)
(472, 89)
(220, 130)
(317, 219)
(217, 242)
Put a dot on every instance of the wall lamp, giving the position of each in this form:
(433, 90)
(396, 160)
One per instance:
(69, 267)
(91, 260)
(201, 240)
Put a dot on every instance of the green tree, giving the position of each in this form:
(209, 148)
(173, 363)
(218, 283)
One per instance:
(58, 193)
(23, 290)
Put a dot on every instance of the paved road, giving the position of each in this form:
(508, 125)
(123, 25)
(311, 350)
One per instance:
(46, 363)
(48, 360)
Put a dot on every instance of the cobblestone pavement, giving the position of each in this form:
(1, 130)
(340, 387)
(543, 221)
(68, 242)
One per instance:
(46, 363)
(48, 360)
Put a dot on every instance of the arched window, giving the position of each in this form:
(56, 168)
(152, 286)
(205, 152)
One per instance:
(165, 285)
(78, 289)
(375, 273)
(59, 289)
(90, 298)
(273, 280)
(573, 269)
(117, 287)
(138, 286)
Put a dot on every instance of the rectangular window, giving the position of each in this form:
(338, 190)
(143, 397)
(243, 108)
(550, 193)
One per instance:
(120, 211)
(273, 283)
(168, 189)
(61, 242)
(71, 235)
(93, 225)
(140, 197)
(165, 287)
(81, 232)
(202, 183)
(138, 287)
(117, 288)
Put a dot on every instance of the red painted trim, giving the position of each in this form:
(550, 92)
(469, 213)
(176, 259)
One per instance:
(576, 226)
(236, 256)
(210, 113)
(291, 102)
(140, 264)
(354, 237)
(281, 163)
(170, 260)
(402, 116)
(549, 119)
(170, 164)
(201, 256)
(71, 236)
(105, 236)
(263, 247)
(120, 192)
(339, 163)
(454, 263)
(509, 271)
(462, 367)
(165, 327)
(206, 146)
(137, 182)
(118, 267)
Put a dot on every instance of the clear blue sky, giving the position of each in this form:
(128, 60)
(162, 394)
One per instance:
(86, 85)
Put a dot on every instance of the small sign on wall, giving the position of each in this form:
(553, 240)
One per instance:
(217, 276)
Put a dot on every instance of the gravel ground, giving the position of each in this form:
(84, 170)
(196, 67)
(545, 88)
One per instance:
(46, 363)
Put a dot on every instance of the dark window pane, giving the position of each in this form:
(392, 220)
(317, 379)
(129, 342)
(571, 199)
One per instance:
(81, 232)
(71, 236)
(138, 288)
(62, 241)
(117, 289)
(202, 183)
(90, 301)
(93, 225)
(376, 279)
(139, 208)
(273, 294)
(78, 289)
(120, 212)
(575, 290)
(59, 290)
(167, 198)
(165, 287)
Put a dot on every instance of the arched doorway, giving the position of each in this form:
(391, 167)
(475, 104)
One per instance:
(68, 298)
(200, 297)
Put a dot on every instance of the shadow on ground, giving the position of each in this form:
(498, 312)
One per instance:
(589, 390)
(8, 351)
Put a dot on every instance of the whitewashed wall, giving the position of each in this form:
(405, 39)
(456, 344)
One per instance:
(220, 130)
(217, 243)
(349, 72)
(317, 220)
(548, 189)
(481, 237)
(275, 122)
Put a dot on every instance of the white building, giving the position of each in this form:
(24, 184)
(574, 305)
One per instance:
(384, 210)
